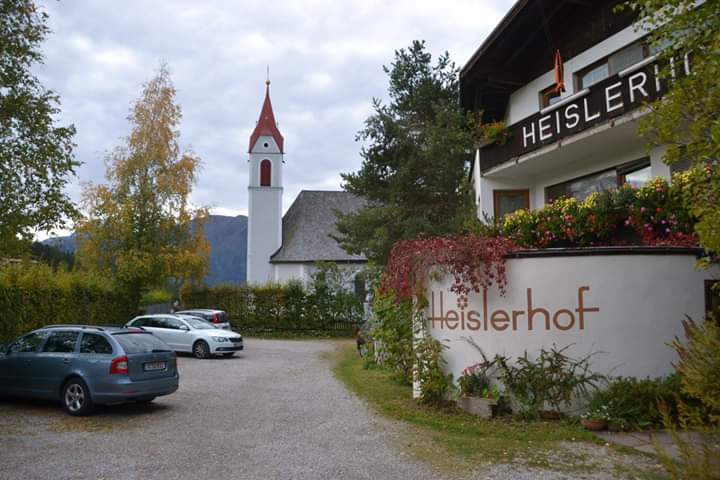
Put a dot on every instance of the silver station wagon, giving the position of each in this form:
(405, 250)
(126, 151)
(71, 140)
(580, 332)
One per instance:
(186, 333)
(84, 365)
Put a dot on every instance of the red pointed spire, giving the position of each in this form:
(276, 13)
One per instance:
(266, 125)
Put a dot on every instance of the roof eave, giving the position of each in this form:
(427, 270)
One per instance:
(497, 31)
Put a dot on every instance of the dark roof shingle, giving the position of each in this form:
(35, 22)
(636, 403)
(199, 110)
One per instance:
(308, 224)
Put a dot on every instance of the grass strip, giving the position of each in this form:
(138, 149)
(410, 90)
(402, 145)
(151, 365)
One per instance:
(453, 440)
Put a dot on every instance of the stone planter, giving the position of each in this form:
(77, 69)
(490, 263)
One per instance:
(594, 425)
(482, 407)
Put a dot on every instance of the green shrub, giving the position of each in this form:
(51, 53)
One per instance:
(393, 330)
(156, 296)
(552, 380)
(33, 295)
(283, 309)
(632, 404)
(435, 384)
(698, 372)
(473, 382)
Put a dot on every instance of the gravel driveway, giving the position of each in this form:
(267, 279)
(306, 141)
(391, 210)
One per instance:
(272, 412)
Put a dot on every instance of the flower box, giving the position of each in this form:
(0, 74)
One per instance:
(482, 407)
(594, 425)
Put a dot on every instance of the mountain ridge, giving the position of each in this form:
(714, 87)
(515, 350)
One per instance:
(227, 237)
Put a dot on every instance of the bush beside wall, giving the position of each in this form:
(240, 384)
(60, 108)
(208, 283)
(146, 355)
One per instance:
(33, 295)
(277, 309)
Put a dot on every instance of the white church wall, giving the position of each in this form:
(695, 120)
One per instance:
(285, 272)
(264, 231)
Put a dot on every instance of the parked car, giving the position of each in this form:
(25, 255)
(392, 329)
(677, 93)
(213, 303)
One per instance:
(84, 365)
(214, 316)
(185, 333)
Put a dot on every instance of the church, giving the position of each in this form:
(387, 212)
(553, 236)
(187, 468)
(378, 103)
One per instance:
(283, 248)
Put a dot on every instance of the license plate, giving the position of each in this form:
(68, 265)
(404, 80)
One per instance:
(153, 366)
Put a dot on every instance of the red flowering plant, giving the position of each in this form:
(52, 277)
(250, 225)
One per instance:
(653, 214)
(475, 263)
(474, 381)
(659, 216)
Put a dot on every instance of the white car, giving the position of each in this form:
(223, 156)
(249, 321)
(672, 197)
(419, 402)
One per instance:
(184, 333)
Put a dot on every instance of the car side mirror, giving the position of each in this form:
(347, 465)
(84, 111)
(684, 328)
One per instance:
(184, 328)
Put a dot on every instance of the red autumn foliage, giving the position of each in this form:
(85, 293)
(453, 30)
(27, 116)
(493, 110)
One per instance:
(475, 262)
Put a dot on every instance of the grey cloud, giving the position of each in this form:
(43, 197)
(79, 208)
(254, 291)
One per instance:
(325, 60)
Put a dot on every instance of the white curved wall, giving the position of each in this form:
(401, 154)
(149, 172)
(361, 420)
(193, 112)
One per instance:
(632, 307)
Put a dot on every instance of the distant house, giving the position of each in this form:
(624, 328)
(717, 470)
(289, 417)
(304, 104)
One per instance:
(287, 248)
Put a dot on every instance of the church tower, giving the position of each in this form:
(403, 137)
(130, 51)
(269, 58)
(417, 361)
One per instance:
(265, 189)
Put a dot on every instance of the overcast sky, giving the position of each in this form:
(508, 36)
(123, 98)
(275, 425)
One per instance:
(325, 59)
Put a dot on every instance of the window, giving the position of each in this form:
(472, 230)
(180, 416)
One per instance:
(635, 173)
(61, 342)
(140, 322)
(265, 172)
(94, 343)
(167, 322)
(712, 298)
(611, 65)
(508, 201)
(549, 96)
(28, 343)
(140, 342)
(593, 75)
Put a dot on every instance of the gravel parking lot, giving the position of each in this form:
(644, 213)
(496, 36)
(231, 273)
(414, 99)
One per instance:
(272, 412)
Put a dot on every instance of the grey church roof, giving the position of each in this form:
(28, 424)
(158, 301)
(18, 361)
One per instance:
(308, 224)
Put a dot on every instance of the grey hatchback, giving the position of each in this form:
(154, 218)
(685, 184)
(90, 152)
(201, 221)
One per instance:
(85, 365)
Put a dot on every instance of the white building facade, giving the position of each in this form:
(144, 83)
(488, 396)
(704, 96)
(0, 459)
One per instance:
(562, 143)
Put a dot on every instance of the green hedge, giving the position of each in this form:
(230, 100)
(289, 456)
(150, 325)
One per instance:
(32, 296)
(278, 309)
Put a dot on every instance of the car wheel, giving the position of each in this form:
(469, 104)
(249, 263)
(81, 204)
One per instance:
(201, 349)
(76, 397)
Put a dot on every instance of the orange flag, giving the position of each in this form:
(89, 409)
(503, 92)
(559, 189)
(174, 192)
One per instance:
(559, 73)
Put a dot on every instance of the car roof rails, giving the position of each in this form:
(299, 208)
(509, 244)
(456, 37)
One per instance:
(60, 325)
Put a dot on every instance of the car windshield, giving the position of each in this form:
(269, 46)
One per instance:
(199, 324)
(140, 342)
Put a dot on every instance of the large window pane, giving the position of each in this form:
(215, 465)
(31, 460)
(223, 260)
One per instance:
(594, 75)
(62, 342)
(639, 177)
(626, 57)
(28, 343)
(580, 188)
(94, 343)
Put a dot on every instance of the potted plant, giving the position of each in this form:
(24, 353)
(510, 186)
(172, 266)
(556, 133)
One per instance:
(477, 395)
(596, 419)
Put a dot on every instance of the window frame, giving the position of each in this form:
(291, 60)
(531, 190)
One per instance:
(92, 334)
(58, 333)
(265, 172)
(577, 76)
(546, 94)
(620, 172)
(502, 192)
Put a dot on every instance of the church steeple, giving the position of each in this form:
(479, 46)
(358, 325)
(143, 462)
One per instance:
(265, 191)
(266, 124)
